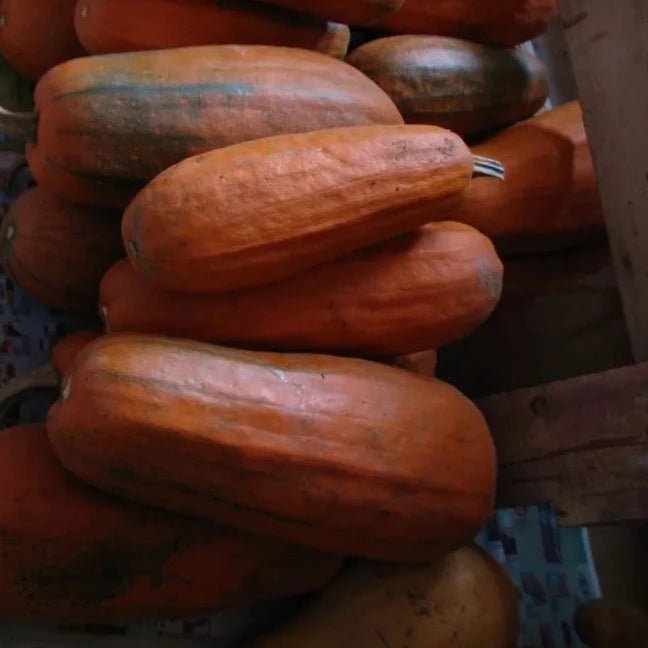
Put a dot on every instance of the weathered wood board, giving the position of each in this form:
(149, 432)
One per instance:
(581, 443)
(608, 47)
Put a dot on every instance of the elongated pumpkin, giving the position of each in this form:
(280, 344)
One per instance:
(108, 124)
(340, 454)
(36, 35)
(57, 252)
(106, 26)
(463, 86)
(550, 196)
(464, 600)
(261, 211)
(423, 362)
(409, 294)
(506, 22)
(70, 553)
(351, 12)
(46, 378)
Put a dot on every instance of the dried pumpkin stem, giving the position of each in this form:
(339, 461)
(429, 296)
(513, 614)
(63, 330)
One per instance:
(43, 379)
(489, 167)
(21, 125)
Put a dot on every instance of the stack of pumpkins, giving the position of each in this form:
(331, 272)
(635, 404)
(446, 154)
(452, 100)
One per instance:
(284, 203)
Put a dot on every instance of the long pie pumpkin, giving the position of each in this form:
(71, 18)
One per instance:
(261, 211)
(70, 553)
(36, 35)
(417, 292)
(106, 26)
(57, 252)
(463, 86)
(550, 197)
(108, 124)
(340, 454)
(505, 22)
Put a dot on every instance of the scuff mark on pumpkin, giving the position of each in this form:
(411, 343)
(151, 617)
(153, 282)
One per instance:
(490, 278)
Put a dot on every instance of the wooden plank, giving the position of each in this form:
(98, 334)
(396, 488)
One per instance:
(608, 47)
(581, 443)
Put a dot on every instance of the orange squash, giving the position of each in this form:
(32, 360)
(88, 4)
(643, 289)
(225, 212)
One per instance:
(69, 553)
(340, 454)
(506, 22)
(550, 196)
(264, 210)
(57, 252)
(351, 12)
(463, 86)
(108, 124)
(36, 35)
(423, 362)
(106, 26)
(464, 600)
(46, 378)
(409, 294)
(68, 348)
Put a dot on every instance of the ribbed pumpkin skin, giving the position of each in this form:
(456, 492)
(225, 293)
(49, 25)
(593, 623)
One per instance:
(70, 553)
(344, 455)
(351, 12)
(108, 124)
(36, 35)
(57, 252)
(67, 348)
(506, 22)
(413, 293)
(106, 26)
(463, 86)
(550, 197)
(261, 211)
(465, 600)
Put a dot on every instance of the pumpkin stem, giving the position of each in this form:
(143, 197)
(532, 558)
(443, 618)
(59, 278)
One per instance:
(484, 166)
(18, 125)
(39, 380)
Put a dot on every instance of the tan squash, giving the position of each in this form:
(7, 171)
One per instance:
(465, 600)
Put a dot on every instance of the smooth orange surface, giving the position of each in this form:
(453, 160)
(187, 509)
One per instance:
(261, 211)
(550, 192)
(505, 22)
(108, 124)
(413, 293)
(344, 455)
(70, 553)
(106, 26)
(466, 87)
(57, 252)
(36, 35)
(351, 12)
